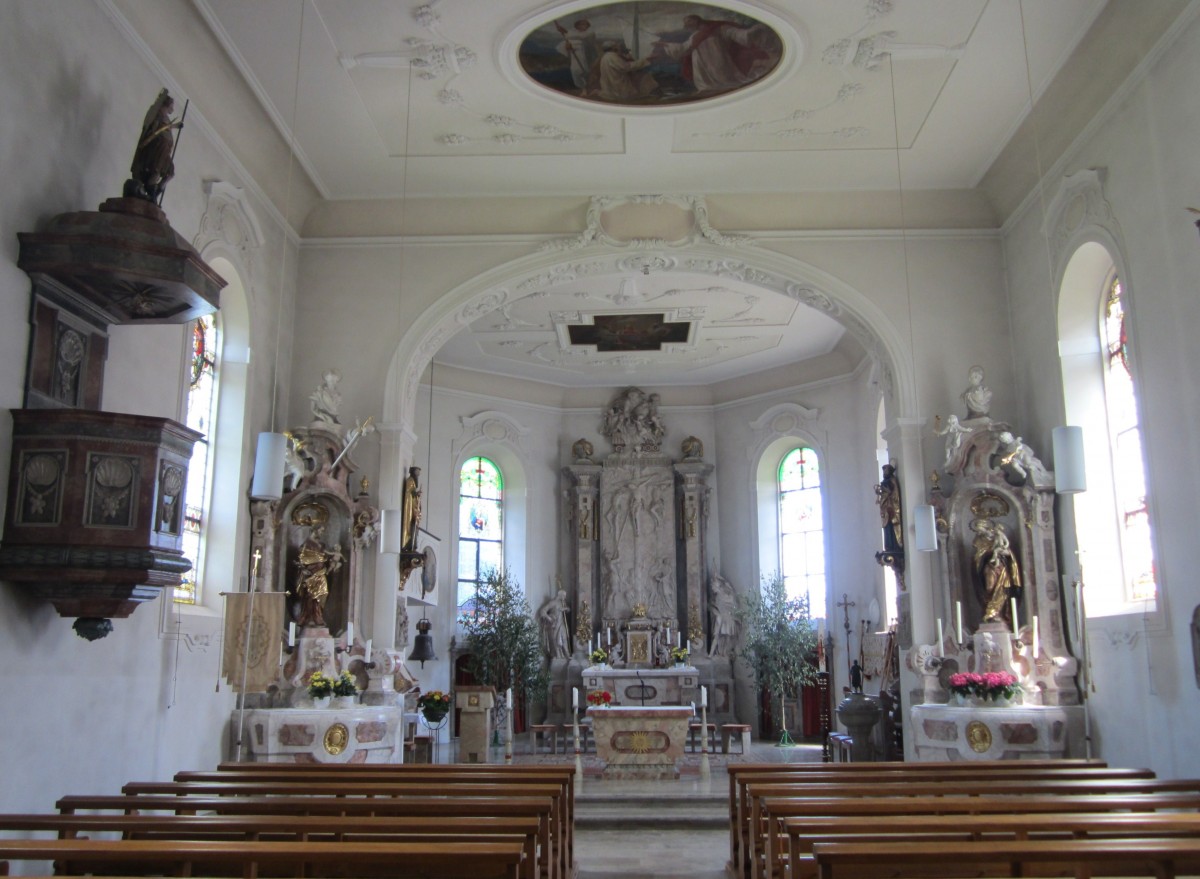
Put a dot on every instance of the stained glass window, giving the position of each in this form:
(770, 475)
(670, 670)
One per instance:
(480, 527)
(201, 412)
(1125, 436)
(802, 528)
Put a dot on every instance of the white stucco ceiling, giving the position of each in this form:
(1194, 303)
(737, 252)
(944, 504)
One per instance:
(385, 99)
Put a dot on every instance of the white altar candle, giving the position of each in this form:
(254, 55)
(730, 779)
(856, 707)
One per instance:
(1035, 638)
(1013, 602)
(941, 643)
(958, 619)
(677, 637)
(349, 635)
(575, 697)
(291, 634)
(508, 699)
(367, 649)
(610, 635)
(703, 697)
(590, 650)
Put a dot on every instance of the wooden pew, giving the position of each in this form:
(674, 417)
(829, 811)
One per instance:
(456, 787)
(908, 773)
(1146, 856)
(474, 773)
(738, 772)
(756, 829)
(406, 807)
(276, 828)
(426, 860)
(804, 833)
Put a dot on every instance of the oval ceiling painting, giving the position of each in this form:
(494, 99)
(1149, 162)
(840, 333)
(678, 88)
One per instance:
(650, 54)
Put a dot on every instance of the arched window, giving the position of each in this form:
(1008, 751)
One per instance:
(480, 527)
(1097, 352)
(201, 416)
(801, 528)
(1125, 442)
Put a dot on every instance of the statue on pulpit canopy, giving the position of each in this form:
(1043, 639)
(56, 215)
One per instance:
(996, 567)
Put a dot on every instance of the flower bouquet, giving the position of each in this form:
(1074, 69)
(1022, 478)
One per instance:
(435, 705)
(679, 655)
(345, 685)
(992, 686)
(320, 686)
(599, 698)
(598, 657)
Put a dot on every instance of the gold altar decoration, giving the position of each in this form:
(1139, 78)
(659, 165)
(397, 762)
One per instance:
(336, 739)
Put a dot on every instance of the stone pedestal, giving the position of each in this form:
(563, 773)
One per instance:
(859, 713)
(474, 705)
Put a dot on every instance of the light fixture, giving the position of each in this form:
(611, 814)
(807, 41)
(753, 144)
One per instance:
(270, 456)
(1070, 476)
(925, 521)
(391, 531)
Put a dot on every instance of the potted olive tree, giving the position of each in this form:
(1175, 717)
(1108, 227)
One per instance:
(504, 642)
(779, 643)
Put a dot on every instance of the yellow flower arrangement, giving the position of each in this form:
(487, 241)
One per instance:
(320, 686)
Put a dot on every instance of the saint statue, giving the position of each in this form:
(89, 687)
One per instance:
(411, 517)
(154, 159)
(887, 495)
(977, 396)
(553, 619)
(721, 615)
(1013, 458)
(327, 398)
(315, 562)
(996, 568)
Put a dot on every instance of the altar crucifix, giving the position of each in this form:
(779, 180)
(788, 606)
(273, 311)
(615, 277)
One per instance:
(845, 604)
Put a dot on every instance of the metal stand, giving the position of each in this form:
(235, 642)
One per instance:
(705, 770)
(434, 735)
(578, 758)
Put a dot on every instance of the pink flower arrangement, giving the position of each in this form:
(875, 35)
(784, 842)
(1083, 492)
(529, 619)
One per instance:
(989, 685)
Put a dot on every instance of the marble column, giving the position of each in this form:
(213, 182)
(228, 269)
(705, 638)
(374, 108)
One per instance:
(583, 504)
(691, 483)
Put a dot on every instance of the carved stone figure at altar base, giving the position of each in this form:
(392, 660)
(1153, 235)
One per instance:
(721, 610)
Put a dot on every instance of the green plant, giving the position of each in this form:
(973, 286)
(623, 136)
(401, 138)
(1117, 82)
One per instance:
(435, 701)
(679, 654)
(345, 685)
(598, 657)
(779, 641)
(320, 686)
(503, 639)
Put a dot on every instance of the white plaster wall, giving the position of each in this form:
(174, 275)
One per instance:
(1145, 708)
(134, 705)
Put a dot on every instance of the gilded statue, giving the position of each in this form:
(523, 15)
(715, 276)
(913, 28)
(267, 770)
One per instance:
(411, 520)
(316, 562)
(887, 496)
(996, 568)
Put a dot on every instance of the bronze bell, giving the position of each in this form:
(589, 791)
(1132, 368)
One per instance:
(422, 651)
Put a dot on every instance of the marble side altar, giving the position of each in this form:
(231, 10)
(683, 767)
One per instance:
(366, 734)
(637, 742)
(1022, 732)
(677, 685)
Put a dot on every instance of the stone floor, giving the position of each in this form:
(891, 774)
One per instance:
(633, 829)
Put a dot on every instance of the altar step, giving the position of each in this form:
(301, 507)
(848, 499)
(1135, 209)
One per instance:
(692, 811)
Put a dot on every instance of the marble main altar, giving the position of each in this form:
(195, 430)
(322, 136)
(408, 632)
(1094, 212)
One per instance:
(637, 742)
(651, 687)
(641, 579)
